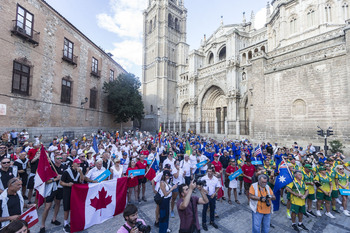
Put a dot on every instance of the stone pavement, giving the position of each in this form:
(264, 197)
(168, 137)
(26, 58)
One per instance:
(232, 218)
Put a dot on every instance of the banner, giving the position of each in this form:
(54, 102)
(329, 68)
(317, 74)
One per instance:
(149, 161)
(30, 216)
(95, 203)
(236, 174)
(103, 176)
(257, 162)
(138, 172)
(344, 192)
(201, 164)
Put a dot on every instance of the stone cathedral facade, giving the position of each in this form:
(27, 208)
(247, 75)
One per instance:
(275, 83)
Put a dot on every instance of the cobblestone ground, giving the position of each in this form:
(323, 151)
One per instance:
(232, 218)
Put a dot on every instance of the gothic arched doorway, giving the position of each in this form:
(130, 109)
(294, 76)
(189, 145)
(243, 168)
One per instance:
(184, 116)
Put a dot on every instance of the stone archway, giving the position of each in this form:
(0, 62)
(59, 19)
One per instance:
(184, 116)
(214, 109)
(244, 114)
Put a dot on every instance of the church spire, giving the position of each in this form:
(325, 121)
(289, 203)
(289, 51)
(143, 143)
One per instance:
(244, 20)
(252, 19)
(268, 10)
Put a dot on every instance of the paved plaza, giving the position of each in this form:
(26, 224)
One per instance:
(232, 218)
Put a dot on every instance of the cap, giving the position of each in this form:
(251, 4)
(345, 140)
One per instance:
(308, 166)
(167, 166)
(77, 161)
(339, 166)
(321, 168)
(216, 155)
(124, 153)
(166, 172)
(225, 151)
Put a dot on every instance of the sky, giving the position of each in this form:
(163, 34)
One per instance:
(117, 25)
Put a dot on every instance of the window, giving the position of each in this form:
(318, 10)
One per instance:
(293, 25)
(222, 54)
(93, 98)
(211, 58)
(170, 21)
(94, 66)
(328, 13)
(66, 91)
(150, 27)
(20, 79)
(24, 21)
(111, 75)
(68, 49)
(345, 8)
(311, 17)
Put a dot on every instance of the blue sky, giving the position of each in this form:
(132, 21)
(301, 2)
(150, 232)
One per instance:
(116, 25)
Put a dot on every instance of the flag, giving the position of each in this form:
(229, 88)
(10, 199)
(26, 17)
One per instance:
(30, 216)
(43, 174)
(258, 151)
(188, 148)
(221, 190)
(160, 132)
(151, 173)
(283, 179)
(95, 203)
(94, 145)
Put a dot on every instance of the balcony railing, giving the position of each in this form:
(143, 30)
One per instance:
(70, 58)
(26, 33)
(97, 73)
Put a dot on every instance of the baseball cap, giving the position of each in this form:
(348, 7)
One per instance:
(124, 153)
(77, 161)
(167, 166)
(216, 155)
(321, 168)
(308, 166)
(166, 172)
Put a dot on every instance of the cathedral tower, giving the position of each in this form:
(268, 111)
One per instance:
(164, 35)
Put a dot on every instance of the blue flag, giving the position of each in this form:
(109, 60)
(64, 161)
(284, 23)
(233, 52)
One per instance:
(282, 180)
(103, 176)
(236, 174)
(94, 145)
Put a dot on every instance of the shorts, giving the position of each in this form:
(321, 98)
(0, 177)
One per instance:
(240, 178)
(57, 195)
(322, 196)
(66, 200)
(335, 194)
(142, 181)
(233, 184)
(30, 184)
(298, 209)
(247, 186)
(175, 190)
(311, 197)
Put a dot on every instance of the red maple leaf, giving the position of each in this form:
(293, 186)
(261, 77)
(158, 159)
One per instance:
(102, 201)
(28, 218)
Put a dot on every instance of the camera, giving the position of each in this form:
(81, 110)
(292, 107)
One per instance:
(267, 200)
(268, 172)
(143, 228)
(198, 181)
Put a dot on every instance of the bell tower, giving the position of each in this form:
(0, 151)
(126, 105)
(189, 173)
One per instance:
(164, 34)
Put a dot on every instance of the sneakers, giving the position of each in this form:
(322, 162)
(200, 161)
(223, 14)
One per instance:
(42, 230)
(57, 223)
(144, 199)
(205, 227)
(214, 225)
(328, 214)
(284, 203)
(168, 231)
(156, 224)
(240, 192)
(139, 201)
(346, 212)
(288, 215)
(66, 228)
(318, 213)
(172, 215)
(339, 201)
(310, 213)
(336, 211)
(301, 226)
(294, 226)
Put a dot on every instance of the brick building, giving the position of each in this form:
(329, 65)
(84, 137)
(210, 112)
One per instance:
(51, 74)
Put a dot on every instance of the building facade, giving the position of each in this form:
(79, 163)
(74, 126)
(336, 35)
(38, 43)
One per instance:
(52, 74)
(275, 83)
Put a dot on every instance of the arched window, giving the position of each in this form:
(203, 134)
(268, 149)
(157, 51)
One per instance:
(244, 58)
(211, 58)
(222, 54)
(150, 27)
(345, 9)
(299, 107)
(256, 50)
(293, 25)
(263, 49)
(170, 21)
(328, 13)
(250, 55)
(155, 22)
(244, 76)
(177, 27)
(311, 17)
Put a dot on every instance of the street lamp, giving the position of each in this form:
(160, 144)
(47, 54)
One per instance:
(84, 101)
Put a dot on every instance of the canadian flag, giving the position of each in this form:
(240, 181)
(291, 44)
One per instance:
(96, 202)
(30, 216)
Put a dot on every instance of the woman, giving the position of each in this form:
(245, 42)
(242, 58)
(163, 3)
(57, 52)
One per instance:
(178, 179)
(141, 164)
(342, 181)
(90, 159)
(17, 226)
(232, 168)
(132, 181)
(116, 170)
(165, 190)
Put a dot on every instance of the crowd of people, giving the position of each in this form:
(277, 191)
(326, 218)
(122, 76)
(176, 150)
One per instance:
(82, 160)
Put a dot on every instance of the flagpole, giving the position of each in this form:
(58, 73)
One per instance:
(291, 174)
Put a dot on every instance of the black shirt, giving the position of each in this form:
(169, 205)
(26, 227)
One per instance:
(14, 205)
(6, 176)
(84, 165)
(20, 168)
(34, 166)
(224, 161)
(67, 179)
(107, 164)
(60, 170)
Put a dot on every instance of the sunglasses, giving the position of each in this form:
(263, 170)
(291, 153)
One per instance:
(6, 162)
(15, 180)
(58, 157)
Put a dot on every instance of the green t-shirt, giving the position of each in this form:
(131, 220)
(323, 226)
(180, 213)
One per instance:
(302, 188)
(332, 174)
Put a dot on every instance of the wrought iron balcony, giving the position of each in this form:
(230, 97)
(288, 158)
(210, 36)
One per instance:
(24, 32)
(97, 73)
(70, 58)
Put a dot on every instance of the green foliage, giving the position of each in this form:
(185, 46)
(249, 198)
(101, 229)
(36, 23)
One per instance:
(336, 146)
(124, 98)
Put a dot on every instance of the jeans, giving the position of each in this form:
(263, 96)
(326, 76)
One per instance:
(261, 221)
(212, 202)
(164, 215)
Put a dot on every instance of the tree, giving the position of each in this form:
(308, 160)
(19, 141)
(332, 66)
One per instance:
(336, 146)
(124, 98)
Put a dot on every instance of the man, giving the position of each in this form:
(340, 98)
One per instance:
(248, 173)
(21, 164)
(95, 172)
(131, 217)
(324, 191)
(298, 191)
(260, 195)
(186, 166)
(34, 161)
(73, 175)
(6, 173)
(212, 187)
(56, 193)
(11, 202)
(333, 175)
(107, 163)
(170, 160)
(188, 213)
(308, 178)
(14, 136)
(3, 152)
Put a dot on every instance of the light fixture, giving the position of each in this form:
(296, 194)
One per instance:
(84, 101)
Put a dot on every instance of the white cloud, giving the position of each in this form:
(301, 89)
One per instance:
(126, 19)
(260, 18)
(128, 50)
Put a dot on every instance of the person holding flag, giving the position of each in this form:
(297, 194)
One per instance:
(324, 191)
(308, 178)
(298, 191)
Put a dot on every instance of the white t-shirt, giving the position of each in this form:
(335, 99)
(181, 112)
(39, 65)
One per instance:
(211, 184)
(201, 159)
(171, 162)
(94, 173)
(180, 179)
(186, 166)
(117, 174)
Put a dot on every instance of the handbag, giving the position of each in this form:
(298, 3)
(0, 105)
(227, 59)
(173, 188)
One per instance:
(157, 198)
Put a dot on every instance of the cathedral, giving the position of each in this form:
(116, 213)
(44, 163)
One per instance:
(276, 83)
